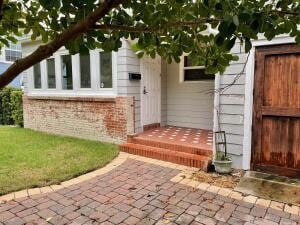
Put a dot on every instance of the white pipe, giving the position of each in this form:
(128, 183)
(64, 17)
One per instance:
(216, 108)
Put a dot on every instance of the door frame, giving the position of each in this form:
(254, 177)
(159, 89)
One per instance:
(141, 95)
(249, 88)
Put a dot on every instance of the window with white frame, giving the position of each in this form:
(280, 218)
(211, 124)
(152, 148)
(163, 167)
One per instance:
(13, 52)
(79, 74)
(192, 72)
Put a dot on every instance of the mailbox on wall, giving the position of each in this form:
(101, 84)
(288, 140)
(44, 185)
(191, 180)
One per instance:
(135, 76)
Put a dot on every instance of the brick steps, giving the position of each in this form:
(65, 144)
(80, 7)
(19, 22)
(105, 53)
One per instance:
(183, 158)
(175, 147)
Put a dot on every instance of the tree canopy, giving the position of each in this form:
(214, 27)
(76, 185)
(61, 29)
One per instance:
(168, 28)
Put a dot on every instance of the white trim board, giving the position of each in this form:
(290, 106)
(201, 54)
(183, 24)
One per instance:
(249, 86)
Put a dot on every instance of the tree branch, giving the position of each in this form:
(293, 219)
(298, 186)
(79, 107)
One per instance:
(1, 9)
(285, 12)
(138, 29)
(45, 51)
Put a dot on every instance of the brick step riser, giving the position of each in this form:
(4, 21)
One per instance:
(179, 148)
(203, 165)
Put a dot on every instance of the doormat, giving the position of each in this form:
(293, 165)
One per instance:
(271, 187)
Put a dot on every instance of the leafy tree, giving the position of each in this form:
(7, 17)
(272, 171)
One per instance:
(164, 27)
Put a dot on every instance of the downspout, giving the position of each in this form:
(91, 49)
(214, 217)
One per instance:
(216, 121)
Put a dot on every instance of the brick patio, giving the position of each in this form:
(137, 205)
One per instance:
(137, 192)
(181, 145)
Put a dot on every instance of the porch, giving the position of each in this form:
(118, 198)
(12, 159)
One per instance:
(181, 145)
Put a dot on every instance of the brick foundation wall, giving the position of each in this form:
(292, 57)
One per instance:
(102, 119)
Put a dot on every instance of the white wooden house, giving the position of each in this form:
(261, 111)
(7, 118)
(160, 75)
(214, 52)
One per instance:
(113, 96)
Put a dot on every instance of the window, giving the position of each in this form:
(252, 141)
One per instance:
(194, 73)
(85, 71)
(37, 81)
(75, 75)
(106, 70)
(66, 72)
(51, 73)
(13, 52)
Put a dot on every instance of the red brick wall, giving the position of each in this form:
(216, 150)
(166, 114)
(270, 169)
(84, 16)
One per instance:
(103, 119)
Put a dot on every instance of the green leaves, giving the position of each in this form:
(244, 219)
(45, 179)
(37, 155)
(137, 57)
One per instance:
(205, 29)
(235, 20)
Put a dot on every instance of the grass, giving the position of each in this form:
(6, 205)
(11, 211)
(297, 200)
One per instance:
(34, 159)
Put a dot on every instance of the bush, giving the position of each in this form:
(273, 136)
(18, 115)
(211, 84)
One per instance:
(17, 107)
(11, 107)
(5, 110)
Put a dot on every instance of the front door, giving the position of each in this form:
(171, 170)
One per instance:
(151, 90)
(276, 115)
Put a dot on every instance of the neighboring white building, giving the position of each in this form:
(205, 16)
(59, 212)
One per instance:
(7, 56)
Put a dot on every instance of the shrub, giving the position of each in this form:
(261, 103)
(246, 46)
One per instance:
(5, 110)
(17, 107)
(11, 108)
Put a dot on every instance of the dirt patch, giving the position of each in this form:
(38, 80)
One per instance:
(224, 181)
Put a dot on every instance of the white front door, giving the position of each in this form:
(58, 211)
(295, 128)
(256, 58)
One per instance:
(151, 90)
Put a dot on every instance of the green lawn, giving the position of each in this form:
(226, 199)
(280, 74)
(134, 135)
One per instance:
(32, 159)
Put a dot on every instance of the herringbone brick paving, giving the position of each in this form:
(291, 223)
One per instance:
(137, 192)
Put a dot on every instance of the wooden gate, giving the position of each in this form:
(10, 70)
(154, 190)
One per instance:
(276, 114)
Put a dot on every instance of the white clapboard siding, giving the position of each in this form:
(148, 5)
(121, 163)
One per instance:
(234, 139)
(231, 115)
(232, 99)
(192, 114)
(232, 128)
(189, 124)
(188, 104)
(231, 108)
(236, 89)
(232, 119)
(229, 79)
(128, 62)
(164, 99)
(234, 69)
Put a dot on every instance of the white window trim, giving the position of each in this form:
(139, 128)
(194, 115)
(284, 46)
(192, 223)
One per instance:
(77, 91)
(249, 87)
(182, 68)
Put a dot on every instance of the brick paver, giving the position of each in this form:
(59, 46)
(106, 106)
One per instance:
(137, 192)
